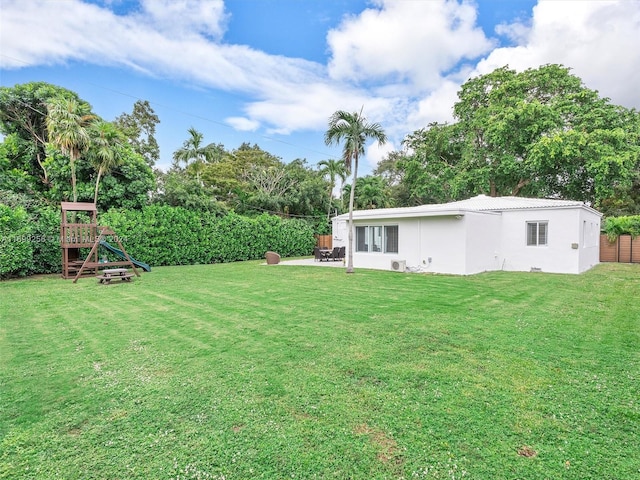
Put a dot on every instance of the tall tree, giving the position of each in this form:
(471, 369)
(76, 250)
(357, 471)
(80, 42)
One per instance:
(140, 129)
(433, 172)
(538, 133)
(307, 199)
(543, 132)
(106, 149)
(390, 169)
(353, 130)
(67, 124)
(229, 176)
(372, 192)
(23, 112)
(333, 169)
(195, 154)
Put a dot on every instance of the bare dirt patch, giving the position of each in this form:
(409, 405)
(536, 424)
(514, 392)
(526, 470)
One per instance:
(526, 451)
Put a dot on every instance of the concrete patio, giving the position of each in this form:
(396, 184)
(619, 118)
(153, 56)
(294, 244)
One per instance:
(312, 262)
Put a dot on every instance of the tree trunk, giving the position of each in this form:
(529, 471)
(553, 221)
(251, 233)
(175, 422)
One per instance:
(330, 199)
(95, 195)
(72, 164)
(351, 202)
(522, 183)
(45, 180)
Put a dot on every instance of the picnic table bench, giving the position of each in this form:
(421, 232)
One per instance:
(111, 273)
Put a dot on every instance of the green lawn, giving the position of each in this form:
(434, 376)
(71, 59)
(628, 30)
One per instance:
(242, 371)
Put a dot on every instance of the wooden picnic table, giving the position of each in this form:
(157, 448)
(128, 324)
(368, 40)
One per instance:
(110, 273)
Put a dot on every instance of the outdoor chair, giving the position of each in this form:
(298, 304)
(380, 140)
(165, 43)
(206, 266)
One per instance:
(335, 254)
(317, 255)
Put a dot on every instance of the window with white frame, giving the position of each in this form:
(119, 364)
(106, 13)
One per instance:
(377, 238)
(391, 239)
(537, 233)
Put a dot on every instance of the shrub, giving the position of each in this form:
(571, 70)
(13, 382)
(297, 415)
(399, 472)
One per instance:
(164, 235)
(613, 227)
(16, 246)
(47, 257)
(157, 234)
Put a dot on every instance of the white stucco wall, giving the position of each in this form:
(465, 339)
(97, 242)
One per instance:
(427, 244)
(442, 245)
(408, 235)
(484, 241)
(589, 251)
(339, 232)
(559, 255)
(483, 232)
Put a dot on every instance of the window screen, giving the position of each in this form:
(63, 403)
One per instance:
(377, 238)
(537, 233)
(391, 239)
(361, 239)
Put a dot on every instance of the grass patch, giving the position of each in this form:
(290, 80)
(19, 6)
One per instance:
(241, 371)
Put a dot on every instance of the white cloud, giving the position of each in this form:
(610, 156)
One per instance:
(185, 17)
(243, 124)
(375, 153)
(517, 32)
(154, 46)
(402, 61)
(406, 41)
(435, 107)
(597, 39)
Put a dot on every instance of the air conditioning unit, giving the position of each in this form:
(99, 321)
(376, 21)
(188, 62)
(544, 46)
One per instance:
(398, 265)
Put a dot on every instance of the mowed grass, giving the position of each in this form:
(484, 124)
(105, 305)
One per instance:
(241, 371)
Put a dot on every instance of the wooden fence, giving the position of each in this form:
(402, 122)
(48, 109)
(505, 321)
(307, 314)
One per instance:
(324, 241)
(624, 250)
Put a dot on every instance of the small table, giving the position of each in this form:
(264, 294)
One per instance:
(111, 273)
(325, 253)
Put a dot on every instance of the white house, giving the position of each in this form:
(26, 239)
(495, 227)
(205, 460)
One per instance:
(476, 235)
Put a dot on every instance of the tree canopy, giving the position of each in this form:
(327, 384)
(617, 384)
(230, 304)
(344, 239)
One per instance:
(538, 133)
(53, 141)
(139, 127)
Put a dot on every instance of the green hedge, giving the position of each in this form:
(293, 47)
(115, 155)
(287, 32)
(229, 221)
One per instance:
(47, 257)
(29, 240)
(16, 242)
(613, 227)
(163, 235)
(158, 235)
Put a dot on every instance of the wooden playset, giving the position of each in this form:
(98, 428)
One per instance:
(75, 236)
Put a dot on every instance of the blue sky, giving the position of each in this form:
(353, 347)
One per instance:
(271, 72)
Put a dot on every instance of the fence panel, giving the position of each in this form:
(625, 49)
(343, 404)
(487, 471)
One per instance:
(324, 241)
(624, 249)
(635, 250)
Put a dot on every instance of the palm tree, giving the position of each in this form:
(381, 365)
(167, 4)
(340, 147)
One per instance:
(67, 123)
(373, 193)
(194, 153)
(353, 129)
(333, 169)
(106, 149)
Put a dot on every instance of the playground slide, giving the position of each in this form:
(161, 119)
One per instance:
(119, 253)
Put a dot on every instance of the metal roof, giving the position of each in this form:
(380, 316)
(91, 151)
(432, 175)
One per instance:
(483, 203)
(480, 203)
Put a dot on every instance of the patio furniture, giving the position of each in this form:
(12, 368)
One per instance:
(109, 274)
(335, 254)
(317, 254)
